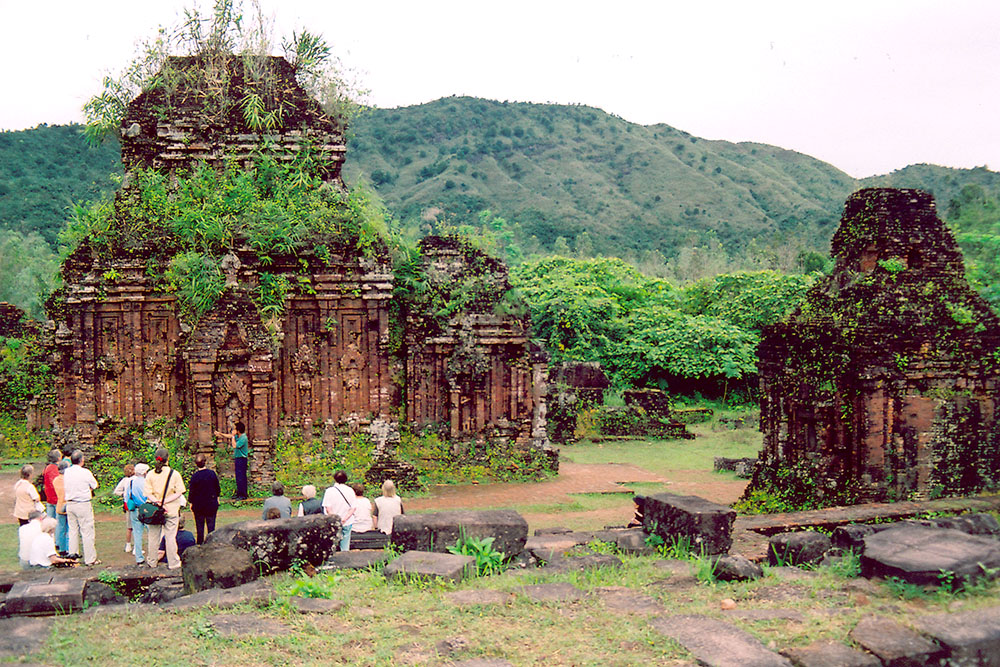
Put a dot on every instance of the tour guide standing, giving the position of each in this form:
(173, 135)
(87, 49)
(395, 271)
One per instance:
(241, 452)
(79, 485)
(165, 488)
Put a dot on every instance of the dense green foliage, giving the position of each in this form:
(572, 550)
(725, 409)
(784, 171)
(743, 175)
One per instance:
(23, 371)
(44, 170)
(648, 332)
(191, 220)
(974, 215)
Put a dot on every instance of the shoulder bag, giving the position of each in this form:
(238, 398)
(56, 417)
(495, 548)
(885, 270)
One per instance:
(153, 514)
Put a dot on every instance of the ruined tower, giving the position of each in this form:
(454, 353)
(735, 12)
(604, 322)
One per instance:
(296, 334)
(884, 383)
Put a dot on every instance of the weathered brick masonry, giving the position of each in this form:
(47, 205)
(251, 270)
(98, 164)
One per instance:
(122, 353)
(884, 383)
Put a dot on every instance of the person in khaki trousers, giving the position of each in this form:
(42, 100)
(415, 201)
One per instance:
(79, 484)
(165, 488)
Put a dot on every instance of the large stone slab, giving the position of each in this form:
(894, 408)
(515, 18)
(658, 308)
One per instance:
(548, 547)
(716, 643)
(216, 565)
(437, 531)
(274, 545)
(970, 637)
(919, 554)
(894, 644)
(429, 565)
(830, 654)
(258, 592)
(45, 597)
(559, 591)
(708, 526)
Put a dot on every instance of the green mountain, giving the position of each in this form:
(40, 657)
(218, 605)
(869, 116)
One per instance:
(560, 171)
(564, 178)
(45, 170)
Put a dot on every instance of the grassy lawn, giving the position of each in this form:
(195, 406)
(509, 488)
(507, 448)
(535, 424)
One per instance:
(387, 623)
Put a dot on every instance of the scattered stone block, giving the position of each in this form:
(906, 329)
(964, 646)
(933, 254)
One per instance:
(315, 605)
(552, 531)
(830, 654)
(258, 592)
(98, 593)
(789, 573)
(45, 597)
(355, 560)
(717, 643)
(428, 564)
(804, 547)
(918, 554)
(163, 590)
(479, 596)
(736, 568)
(548, 547)
(973, 524)
(274, 545)
(708, 526)
(451, 646)
(370, 539)
(216, 565)
(742, 467)
(970, 637)
(623, 599)
(894, 644)
(580, 563)
(556, 592)
(22, 636)
(852, 536)
(437, 531)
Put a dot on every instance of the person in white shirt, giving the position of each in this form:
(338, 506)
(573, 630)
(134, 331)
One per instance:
(362, 511)
(26, 534)
(79, 485)
(339, 500)
(43, 547)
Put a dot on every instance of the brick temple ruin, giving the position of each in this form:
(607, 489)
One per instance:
(122, 352)
(883, 384)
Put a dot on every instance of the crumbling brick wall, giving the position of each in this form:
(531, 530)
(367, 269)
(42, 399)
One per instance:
(884, 383)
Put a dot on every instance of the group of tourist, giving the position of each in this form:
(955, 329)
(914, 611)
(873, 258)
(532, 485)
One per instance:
(66, 521)
(357, 513)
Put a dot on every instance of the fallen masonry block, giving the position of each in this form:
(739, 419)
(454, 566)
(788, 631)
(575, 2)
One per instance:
(45, 597)
(802, 547)
(429, 565)
(276, 544)
(216, 565)
(736, 568)
(895, 644)
(920, 554)
(258, 593)
(830, 654)
(708, 526)
(717, 643)
(437, 531)
(970, 637)
(549, 547)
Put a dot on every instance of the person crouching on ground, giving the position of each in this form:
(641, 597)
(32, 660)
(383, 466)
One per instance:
(43, 548)
(184, 539)
(164, 487)
(339, 500)
(26, 535)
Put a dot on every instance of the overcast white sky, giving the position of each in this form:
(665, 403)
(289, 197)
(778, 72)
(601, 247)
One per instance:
(867, 85)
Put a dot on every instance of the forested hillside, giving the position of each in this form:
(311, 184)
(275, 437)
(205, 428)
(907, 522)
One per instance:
(542, 179)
